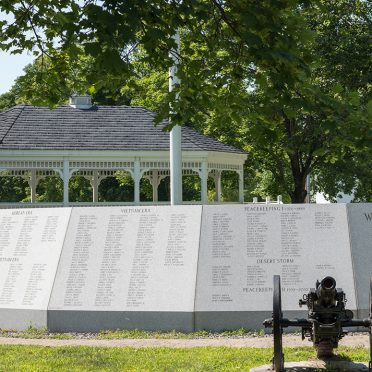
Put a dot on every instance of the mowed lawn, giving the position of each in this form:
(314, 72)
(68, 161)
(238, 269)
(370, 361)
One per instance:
(42, 358)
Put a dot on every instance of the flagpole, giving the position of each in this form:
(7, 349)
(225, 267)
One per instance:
(175, 134)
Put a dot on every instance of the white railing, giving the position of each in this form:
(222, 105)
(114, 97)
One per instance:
(73, 204)
(268, 201)
(6, 205)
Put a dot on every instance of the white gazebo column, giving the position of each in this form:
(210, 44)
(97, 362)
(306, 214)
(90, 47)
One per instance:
(217, 185)
(155, 177)
(66, 180)
(241, 186)
(33, 184)
(137, 180)
(95, 183)
(204, 182)
(155, 185)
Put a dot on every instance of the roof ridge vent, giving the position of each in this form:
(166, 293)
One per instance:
(83, 102)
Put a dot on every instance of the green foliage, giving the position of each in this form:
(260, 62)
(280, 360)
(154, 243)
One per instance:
(230, 186)
(50, 189)
(7, 100)
(191, 188)
(59, 33)
(13, 189)
(80, 189)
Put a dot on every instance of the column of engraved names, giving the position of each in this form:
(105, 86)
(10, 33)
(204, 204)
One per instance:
(49, 233)
(290, 246)
(176, 243)
(25, 235)
(9, 263)
(16, 266)
(256, 243)
(222, 246)
(112, 253)
(222, 236)
(143, 256)
(8, 291)
(84, 241)
(324, 221)
(7, 224)
(34, 286)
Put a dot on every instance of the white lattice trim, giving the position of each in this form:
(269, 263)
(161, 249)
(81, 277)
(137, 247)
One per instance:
(14, 173)
(100, 173)
(101, 164)
(32, 164)
(190, 172)
(191, 164)
(155, 164)
(161, 173)
(220, 166)
(27, 173)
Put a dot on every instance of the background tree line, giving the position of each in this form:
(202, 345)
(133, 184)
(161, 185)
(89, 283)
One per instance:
(287, 81)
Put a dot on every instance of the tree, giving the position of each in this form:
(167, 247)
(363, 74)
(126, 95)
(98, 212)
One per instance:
(306, 121)
(267, 76)
(344, 49)
(308, 124)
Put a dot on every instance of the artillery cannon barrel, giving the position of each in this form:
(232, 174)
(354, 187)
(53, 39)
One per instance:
(326, 291)
(357, 323)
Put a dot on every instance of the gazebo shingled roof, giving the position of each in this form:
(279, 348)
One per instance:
(97, 128)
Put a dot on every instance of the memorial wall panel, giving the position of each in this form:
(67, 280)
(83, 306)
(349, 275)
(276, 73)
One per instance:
(243, 246)
(128, 259)
(30, 245)
(360, 225)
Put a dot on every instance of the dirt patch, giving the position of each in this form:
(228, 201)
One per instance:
(354, 340)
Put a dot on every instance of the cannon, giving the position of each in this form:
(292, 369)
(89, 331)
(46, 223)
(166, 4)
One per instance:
(324, 326)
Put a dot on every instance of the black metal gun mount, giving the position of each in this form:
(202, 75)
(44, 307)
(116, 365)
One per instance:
(325, 323)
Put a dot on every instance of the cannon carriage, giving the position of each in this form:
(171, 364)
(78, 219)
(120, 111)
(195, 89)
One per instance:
(324, 326)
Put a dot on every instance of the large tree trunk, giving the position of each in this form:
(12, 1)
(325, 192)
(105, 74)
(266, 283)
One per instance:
(298, 195)
(300, 165)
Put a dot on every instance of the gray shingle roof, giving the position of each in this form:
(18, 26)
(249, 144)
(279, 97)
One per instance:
(99, 128)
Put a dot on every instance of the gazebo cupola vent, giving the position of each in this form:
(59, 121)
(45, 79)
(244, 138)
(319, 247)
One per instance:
(81, 102)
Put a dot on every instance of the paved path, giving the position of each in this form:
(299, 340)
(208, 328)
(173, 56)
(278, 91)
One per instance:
(259, 342)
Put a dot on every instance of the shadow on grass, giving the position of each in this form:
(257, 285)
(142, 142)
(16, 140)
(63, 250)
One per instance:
(339, 363)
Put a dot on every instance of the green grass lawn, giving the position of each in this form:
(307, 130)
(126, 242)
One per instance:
(41, 358)
(33, 332)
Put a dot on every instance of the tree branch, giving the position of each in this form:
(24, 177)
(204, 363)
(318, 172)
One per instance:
(225, 18)
(38, 40)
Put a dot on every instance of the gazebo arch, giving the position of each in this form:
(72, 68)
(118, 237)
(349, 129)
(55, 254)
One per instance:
(97, 141)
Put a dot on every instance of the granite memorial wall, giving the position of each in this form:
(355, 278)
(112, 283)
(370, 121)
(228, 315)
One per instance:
(243, 246)
(127, 267)
(360, 230)
(31, 241)
(181, 267)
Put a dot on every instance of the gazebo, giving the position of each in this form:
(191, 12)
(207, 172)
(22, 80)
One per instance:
(97, 141)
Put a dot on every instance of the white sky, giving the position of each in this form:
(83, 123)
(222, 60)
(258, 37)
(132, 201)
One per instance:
(11, 66)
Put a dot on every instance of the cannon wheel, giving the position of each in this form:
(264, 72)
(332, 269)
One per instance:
(278, 360)
(370, 326)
